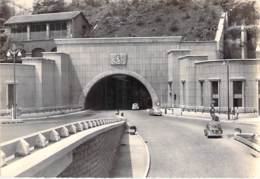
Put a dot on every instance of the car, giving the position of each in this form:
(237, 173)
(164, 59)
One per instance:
(135, 106)
(213, 129)
(155, 111)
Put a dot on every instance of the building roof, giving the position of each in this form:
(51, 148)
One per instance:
(42, 17)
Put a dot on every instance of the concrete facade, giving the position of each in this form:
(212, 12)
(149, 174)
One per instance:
(176, 73)
(146, 57)
(41, 83)
(25, 85)
(170, 69)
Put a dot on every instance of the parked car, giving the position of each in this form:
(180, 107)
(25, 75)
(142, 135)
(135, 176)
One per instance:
(155, 112)
(213, 129)
(135, 106)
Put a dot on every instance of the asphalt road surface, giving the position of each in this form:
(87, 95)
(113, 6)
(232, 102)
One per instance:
(178, 148)
(15, 130)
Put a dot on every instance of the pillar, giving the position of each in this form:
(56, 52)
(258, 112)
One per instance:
(28, 32)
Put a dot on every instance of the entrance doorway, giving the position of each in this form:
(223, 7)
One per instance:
(10, 95)
(118, 92)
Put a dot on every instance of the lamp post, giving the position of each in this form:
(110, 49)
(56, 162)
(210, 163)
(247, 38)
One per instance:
(13, 53)
(226, 62)
(170, 93)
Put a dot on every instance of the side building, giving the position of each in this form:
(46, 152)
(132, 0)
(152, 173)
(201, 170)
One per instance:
(35, 33)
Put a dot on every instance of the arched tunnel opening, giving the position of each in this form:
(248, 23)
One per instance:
(118, 92)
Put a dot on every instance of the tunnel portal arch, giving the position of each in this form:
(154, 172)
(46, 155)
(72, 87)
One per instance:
(136, 76)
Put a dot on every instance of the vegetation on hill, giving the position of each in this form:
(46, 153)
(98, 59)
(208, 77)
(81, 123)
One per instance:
(192, 19)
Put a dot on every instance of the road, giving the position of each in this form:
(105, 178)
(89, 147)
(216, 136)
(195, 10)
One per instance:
(15, 130)
(178, 148)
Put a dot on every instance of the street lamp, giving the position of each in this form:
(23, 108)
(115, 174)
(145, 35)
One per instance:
(13, 53)
(226, 62)
(170, 93)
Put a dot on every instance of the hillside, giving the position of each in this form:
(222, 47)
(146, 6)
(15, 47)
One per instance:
(192, 19)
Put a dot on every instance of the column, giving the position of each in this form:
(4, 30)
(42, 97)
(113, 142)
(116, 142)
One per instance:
(243, 42)
(47, 31)
(28, 32)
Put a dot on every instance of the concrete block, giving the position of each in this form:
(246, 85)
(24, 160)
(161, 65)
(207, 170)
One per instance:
(54, 136)
(85, 125)
(90, 125)
(93, 123)
(64, 132)
(72, 129)
(41, 141)
(2, 158)
(22, 148)
(79, 127)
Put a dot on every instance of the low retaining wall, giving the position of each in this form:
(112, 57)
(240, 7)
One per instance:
(85, 148)
(95, 157)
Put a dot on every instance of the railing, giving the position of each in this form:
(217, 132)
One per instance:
(19, 36)
(38, 35)
(58, 34)
(19, 148)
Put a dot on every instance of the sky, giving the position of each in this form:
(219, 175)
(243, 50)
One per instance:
(29, 3)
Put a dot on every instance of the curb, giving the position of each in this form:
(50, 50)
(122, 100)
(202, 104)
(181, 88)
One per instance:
(77, 113)
(148, 157)
(248, 143)
(208, 119)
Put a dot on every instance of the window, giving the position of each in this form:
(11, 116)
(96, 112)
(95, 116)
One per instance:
(38, 27)
(58, 26)
(259, 88)
(237, 93)
(214, 87)
(19, 28)
(215, 93)
(201, 93)
(237, 87)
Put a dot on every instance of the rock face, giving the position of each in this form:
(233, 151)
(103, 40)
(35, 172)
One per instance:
(257, 6)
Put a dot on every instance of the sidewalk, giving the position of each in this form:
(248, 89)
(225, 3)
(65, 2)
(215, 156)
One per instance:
(133, 158)
(243, 118)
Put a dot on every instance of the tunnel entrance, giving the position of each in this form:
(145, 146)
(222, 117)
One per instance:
(118, 92)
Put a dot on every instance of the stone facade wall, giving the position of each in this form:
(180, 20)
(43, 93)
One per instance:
(241, 70)
(145, 56)
(95, 157)
(44, 81)
(188, 76)
(25, 89)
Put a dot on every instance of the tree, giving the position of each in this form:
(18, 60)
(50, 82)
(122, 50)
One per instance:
(5, 11)
(48, 6)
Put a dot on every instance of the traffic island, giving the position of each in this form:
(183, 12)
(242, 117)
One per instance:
(250, 139)
(133, 158)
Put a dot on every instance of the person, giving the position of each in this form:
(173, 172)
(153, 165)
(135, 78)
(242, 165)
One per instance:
(236, 112)
(212, 111)
(233, 113)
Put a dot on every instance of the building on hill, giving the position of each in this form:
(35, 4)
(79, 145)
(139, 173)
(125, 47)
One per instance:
(36, 32)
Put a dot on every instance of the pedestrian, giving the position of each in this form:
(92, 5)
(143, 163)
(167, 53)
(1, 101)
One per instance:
(233, 112)
(212, 112)
(236, 112)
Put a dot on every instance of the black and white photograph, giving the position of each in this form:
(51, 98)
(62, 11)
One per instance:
(130, 88)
